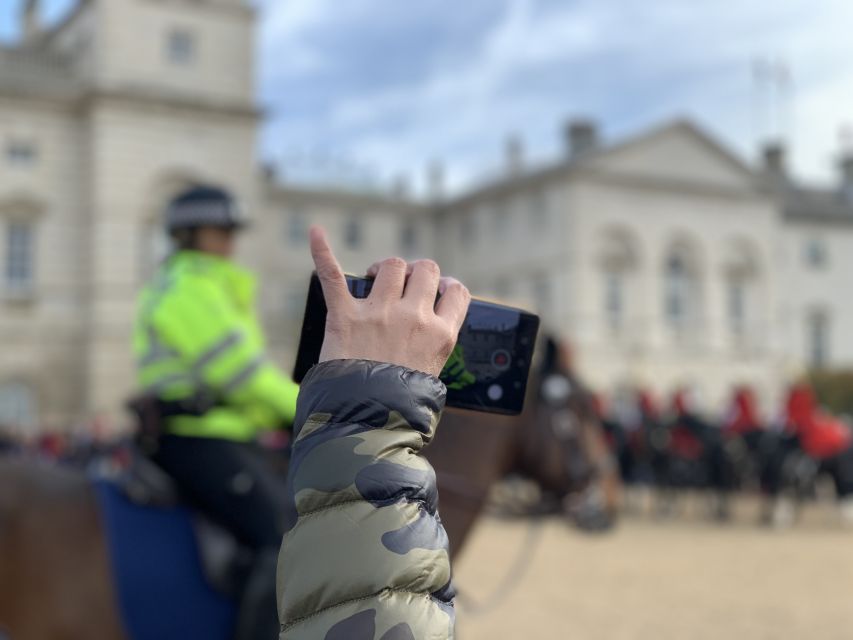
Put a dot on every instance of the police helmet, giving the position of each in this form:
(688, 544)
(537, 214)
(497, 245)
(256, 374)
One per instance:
(204, 206)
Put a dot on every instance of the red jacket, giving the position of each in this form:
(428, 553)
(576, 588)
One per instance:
(743, 415)
(821, 436)
(684, 443)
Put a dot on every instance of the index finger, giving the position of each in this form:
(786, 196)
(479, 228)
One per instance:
(328, 269)
(454, 302)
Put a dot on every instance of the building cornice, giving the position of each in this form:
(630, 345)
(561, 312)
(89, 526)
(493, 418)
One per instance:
(667, 184)
(82, 99)
(141, 97)
(288, 194)
(242, 9)
(806, 218)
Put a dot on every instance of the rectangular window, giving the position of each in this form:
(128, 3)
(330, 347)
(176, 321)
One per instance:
(818, 330)
(816, 254)
(180, 46)
(409, 237)
(352, 232)
(21, 153)
(297, 229)
(19, 256)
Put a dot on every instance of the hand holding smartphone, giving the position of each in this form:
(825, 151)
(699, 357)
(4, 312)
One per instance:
(487, 369)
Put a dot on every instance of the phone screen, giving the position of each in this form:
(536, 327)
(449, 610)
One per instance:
(488, 368)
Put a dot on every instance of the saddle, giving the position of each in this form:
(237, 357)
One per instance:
(225, 562)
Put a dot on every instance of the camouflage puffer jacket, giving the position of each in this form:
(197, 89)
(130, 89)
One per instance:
(365, 556)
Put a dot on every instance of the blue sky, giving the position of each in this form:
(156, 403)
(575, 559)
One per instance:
(390, 86)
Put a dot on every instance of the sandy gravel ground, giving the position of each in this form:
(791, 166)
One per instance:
(685, 579)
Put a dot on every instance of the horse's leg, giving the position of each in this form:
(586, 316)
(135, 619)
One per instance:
(55, 583)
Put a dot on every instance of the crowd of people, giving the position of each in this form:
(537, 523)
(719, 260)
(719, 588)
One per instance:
(82, 448)
(674, 447)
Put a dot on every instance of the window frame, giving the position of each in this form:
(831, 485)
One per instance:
(677, 291)
(614, 313)
(31, 401)
(186, 54)
(354, 232)
(409, 235)
(14, 285)
(816, 253)
(16, 159)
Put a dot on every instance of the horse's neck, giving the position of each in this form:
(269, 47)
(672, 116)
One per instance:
(473, 447)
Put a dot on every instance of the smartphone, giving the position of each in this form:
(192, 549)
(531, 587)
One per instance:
(487, 370)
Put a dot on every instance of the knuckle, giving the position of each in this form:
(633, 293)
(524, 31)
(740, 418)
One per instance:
(327, 272)
(430, 266)
(394, 263)
(459, 289)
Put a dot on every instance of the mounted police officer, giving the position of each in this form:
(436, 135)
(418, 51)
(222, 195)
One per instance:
(201, 356)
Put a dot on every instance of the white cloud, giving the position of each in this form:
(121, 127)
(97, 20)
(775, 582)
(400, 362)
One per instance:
(677, 58)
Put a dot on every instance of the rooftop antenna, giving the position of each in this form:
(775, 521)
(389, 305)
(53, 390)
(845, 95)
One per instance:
(772, 100)
(784, 83)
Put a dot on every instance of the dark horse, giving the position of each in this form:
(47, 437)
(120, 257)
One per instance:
(55, 577)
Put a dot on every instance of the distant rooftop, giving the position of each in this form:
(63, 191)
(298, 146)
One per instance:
(817, 205)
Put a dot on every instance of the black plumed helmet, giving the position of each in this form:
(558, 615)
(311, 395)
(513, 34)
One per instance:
(204, 206)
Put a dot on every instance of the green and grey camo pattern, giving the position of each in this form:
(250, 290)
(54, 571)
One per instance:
(365, 556)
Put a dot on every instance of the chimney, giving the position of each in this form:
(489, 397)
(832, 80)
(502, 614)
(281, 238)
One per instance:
(775, 162)
(514, 150)
(581, 137)
(846, 166)
(30, 24)
(435, 182)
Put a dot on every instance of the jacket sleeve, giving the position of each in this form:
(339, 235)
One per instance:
(224, 356)
(365, 555)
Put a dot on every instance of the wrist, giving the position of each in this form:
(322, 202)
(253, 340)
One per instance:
(365, 391)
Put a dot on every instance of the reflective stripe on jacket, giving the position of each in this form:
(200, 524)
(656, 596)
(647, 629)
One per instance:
(365, 554)
(197, 331)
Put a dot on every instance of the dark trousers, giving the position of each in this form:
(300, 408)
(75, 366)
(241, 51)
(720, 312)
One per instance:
(840, 468)
(232, 484)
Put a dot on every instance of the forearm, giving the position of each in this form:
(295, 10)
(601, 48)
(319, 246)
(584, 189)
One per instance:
(365, 546)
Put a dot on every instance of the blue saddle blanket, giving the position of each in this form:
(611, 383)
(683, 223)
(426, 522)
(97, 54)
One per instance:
(161, 587)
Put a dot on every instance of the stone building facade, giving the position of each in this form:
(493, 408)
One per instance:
(664, 258)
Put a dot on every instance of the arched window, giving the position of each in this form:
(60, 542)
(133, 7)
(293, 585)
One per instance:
(677, 291)
(741, 280)
(618, 262)
(19, 258)
(17, 406)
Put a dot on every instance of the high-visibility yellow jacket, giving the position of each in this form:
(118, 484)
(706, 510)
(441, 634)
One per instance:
(197, 331)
